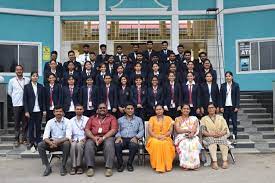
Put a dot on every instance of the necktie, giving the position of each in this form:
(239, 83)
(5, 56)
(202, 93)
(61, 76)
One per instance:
(139, 96)
(90, 94)
(71, 92)
(172, 91)
(107, 96)
(190, 94)
(51, 96)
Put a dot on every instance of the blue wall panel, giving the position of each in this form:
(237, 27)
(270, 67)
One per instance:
(45, 5)
(79, 5)
(196, 4)
(248, 26)
(244, 3)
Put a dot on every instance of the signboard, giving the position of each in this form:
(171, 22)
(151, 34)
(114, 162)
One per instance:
(46, 53)
(244, 56)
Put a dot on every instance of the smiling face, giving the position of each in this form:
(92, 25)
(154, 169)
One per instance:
(185, 110)
(102, 109)
(159, 110)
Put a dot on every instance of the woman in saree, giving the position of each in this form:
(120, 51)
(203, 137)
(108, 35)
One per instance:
(215, 132)
(187, 141)
(160, 145)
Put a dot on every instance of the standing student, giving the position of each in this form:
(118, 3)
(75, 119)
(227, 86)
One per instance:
(139, 97)
(143, 62)
(93, 62)
(16, 91)
(87, 72)
(155, 96)
(191, 94)
(53, 96)
(173, 68)
(137, 72)
(156, 73)
(209, 93)
(123, 95)
(155, 59)
(70, 97)
(111, 66)
(171, 60)
(207, 67)
(101, 58)
(183, 64)
(34, 104)
(133, 55)
(164, 53)
(127, 66)
(118, 55)
(119, 73)
(180, 56)
(172, 96)
(190, 68)
(71, 72)
(89, 97)
(149, 52)
(59, 67)
(230, 101)
(53, 70)
(108, 94)
(72, 58)
(82, 58)
(99, 80)
(200, 61)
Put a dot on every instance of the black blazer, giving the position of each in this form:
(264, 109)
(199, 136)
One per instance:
(84, 76)
(57, 95)
(131, 57)
(109, 70)
(182, 66)
(134, 95)
(100, 59)
(128, 69)
(78, 67)
(151, 97)
(235, 94)
(212, 71)
(76, 75)
(195, 95)
(198, 65)
(167, 64)
(117, 60)
(160, 78)
(123, 96)
(83, 96)
(144, 66)
(197, 78)
(163, 56)
(47, 67)
(133, 76)
(112, 95)
(58, 74)
(205, 96)
(146, 54)
(115, 79)
(67, 97)
(29, 97)
(99, 80)
(180, 59)
(168, 94)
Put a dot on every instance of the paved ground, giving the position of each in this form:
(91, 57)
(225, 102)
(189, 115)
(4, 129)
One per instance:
(251, 168)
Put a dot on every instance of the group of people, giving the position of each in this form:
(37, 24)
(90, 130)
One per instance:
(152, 82)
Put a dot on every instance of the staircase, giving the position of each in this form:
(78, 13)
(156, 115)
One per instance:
(256, 129)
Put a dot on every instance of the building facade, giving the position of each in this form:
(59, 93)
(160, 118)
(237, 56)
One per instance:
(238, 35)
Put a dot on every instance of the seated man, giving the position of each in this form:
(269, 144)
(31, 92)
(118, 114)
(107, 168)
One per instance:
(130, 129)
(100, 130)
(215, 132)
(56, 137)
(78, 124)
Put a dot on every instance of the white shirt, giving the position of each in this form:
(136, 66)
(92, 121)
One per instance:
(57, 130)
(52, 106)
(119, 56)
(228, 101)
(36, 107)
(89, 103)
(108, 101)
(78, 126)
(16, 90)
(71, 109)
(172, 102)
(190, 84)
(209, 89)
(81, 58)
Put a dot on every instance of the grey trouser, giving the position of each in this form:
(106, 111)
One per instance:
(77, 149)
(108, 146)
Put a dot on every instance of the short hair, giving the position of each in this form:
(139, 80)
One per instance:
(139, 53)
(71, 51)
(203, 52)
(118, 46)
(78, 105)
(54, 52)
(90, 77)
(106, 75)
(102, 64)
(92, 53)
(103, 46)
(164, 42)
(129, 103)
(56, 107)
(149, 42)
(180, 46)
(187, 51)
(135, 44)
(172, 53)
(86, 46)
(190, 62)
(20, 66)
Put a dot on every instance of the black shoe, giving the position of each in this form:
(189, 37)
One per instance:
(47, 171)
(130, 168)
(121, 168)
(63, 171)
(29, 146)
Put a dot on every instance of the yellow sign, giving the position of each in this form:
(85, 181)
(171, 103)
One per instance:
(46, 53)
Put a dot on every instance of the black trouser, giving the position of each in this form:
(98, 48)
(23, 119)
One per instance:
(126, 144)
(70, 115)
(35, 126)
(43, 147)
(89, 113)
(49, 115)
(172, 112)
(19, 115)
(230, 114)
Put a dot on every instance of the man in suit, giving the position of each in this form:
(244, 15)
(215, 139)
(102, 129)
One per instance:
(111, 66)
(143, 62)
(133, 55)
(118, 55)
(149, 52)
(53, 70)
(101, 58)
(199, 61)
(180, 55)
(53, 57)
(171, 60)
(94, 64)
(183, 64)
(164, 53)
(82, 58)
(71, 55)
(108, 94)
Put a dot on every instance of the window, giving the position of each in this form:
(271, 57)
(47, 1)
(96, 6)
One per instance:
(13, 53)
(256, 55)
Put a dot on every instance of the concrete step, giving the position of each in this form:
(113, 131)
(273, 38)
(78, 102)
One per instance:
(258, 115)
(269, 128)
(251, 100)
(243, 135)
(268, 135)
(240, 128)
(250, 105)
(246, 97)
(245, 143)
(254, 110)
(268, 121)
(6, 146)
(271, 143)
